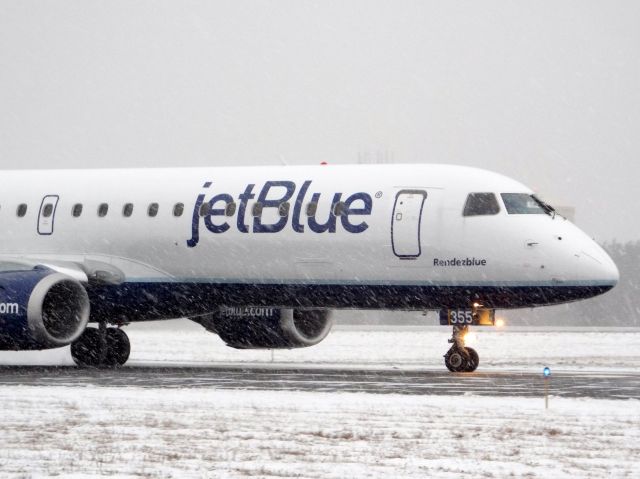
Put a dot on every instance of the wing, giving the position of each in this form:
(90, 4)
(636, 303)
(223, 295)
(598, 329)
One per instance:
(84, 271)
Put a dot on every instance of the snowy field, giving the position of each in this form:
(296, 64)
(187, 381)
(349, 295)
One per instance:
(152, 432)
(237, 434)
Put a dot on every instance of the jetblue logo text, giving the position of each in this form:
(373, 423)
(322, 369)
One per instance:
(273, 195)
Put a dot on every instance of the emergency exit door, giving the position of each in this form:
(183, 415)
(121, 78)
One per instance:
(406, 223)
(47, 214)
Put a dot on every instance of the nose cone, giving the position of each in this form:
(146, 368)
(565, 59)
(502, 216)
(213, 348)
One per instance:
(610, 270)
(590, 265)
(602, 267)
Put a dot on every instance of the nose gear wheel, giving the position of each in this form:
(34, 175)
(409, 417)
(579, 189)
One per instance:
(459, 358)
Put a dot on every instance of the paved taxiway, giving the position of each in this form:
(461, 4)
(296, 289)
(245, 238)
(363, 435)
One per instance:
(600, 385)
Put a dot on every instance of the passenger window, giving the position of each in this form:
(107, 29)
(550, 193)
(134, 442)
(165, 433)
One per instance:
(524, 204)
(127, 210)
(312, 207)
(47, 211)
(22, 210)
(256, 210)
(103, 209)
(152, 211)
(230, 209)
(338, 209)
(205, 209)
(178, 209)
(283, 209)
(77, 210)
(481, 204)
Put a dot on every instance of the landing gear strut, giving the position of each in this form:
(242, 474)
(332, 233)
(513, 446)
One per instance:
(101, 347)
(461, 358)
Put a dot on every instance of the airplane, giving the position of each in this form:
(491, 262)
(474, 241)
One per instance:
(261, 256)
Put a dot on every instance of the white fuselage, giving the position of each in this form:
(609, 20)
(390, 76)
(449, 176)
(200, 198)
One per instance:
(397, 226)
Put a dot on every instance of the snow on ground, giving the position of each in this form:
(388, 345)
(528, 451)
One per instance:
(142, 432)
(132, 432)
(524, 349)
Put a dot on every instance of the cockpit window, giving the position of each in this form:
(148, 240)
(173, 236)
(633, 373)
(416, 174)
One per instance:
(481, 204)
(525, 204)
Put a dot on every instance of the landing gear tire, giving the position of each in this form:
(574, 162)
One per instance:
(473, 361)
(459, 358)
(101, 348)
(118, 348)
(86, 351)
(455, 361)
(461, 361)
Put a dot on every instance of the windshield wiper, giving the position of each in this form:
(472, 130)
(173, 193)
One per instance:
(548, 209)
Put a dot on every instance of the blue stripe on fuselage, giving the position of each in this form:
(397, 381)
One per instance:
(162, 299)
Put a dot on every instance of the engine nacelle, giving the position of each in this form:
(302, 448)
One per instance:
(41, 309)
(269, 328)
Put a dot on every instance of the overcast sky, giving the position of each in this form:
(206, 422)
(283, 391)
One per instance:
(547, 92)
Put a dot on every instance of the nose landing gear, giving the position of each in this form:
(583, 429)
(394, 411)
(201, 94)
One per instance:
(460, 358)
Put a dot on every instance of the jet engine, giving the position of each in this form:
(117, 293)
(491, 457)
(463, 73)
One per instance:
(41, 309)
(268, 328)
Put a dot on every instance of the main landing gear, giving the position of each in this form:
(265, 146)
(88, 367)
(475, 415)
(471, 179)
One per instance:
(461, 358)
(101, 347)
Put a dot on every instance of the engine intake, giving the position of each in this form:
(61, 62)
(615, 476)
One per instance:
(41, 309)
(269, 328)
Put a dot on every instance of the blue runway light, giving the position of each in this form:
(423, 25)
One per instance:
(546, 372)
